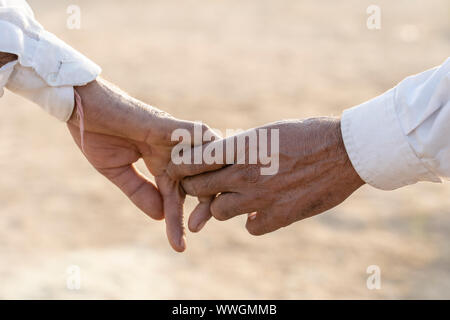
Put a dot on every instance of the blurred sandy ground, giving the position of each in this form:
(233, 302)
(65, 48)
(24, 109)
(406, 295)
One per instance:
(232, 64)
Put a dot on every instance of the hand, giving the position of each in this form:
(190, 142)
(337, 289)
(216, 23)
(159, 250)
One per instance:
(120, 130)
(315, 174)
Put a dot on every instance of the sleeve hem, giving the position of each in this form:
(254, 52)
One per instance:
(378, 147)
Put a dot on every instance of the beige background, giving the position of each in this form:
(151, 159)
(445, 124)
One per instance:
(232, 64)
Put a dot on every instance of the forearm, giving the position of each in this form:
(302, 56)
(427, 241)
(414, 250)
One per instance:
(109, 110)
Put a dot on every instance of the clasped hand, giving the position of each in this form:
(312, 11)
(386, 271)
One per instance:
(314, 173)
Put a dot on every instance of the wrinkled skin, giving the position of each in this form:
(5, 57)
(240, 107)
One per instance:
(120, 130)
(315, 174)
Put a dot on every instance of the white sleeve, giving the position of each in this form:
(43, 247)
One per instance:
(47, 68)
(403, 136)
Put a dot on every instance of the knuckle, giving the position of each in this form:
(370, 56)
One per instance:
(209, 183)
(218, 211)
(258, 228)
(260, 195)
(224, 208)
(254, 231)
(189, 186)
(250, 174)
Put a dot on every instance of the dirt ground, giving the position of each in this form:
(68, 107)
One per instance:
(232, 64)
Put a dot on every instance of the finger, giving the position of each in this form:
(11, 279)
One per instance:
(173, 200)
(229, 205)
(200, 132)
(167, 131)
(201, 214)
(141, 191)
(199, 159)
(264, 222)
(212, 183)
(179, 171)
(230, 150)
(137, 188)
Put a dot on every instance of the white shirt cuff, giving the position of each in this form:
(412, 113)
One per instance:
(47, 68)
(61, 65)
(57, 101)
(378, 148)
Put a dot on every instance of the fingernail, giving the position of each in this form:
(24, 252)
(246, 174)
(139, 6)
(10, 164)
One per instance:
(252, 216)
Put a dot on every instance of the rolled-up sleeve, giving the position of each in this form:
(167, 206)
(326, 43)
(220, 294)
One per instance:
(47, 68)
(402, 136)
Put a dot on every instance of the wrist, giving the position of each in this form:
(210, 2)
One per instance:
(353, 176)
(108, 110)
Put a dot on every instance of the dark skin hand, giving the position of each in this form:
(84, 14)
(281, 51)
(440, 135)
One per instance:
(315, 174)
